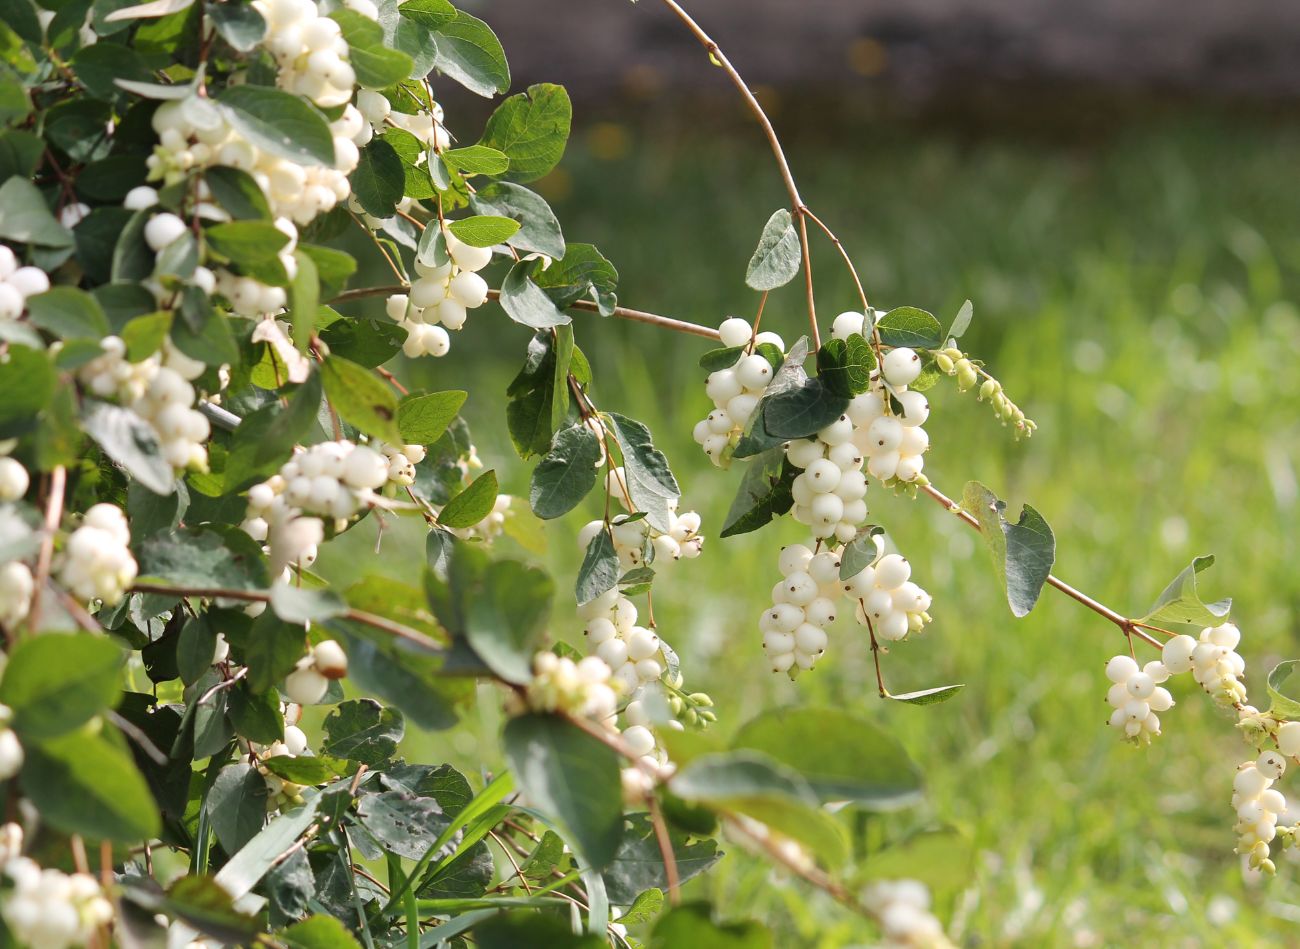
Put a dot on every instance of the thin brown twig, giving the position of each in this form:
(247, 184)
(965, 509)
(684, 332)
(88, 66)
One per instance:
(797, 206)
(392, 380)
(665, 843)
(1127, 626)
(53, 515)
(261, 596)
(808, 281)
(513, 862)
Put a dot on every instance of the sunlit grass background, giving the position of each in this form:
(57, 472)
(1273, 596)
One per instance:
(1133, 290)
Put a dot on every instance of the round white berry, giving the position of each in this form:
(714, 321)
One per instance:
(14, 480)
(735, 332)
(1288, 739)
(754, 372)
(1121, 668)
(901, 366)
(1271, 765)
(892, 571)
(162, 229)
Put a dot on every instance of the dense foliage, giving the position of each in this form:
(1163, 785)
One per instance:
(193, 400)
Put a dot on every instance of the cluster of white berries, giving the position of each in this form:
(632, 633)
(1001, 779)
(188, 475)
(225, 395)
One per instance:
(441, 297)
(309, 48)
(249, 297)
(804, 605)
(157, 389)
(310, 679)
(1213, 661)
(17, 284)
(1137, 696)
(631, 651)
(48, 909)
(735, 391)
(279, 792)
(1258, 805)
(584, 688)
(96, 563)
(683, 540)
(330, 479)
(402, 460)
(16, 581)
(193, 134)
(902, 908)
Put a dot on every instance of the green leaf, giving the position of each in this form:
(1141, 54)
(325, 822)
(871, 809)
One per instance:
(765, 493)
(762, 788)
(1283, 705)
(525, 927)
(307, 769)
(243, 871)
(256, 716)
(845, 366)
(638, 866)
(56, 683)
(273, 649)
(402, 823)
(247, 242)
(841, 755)
(531, 128)
(600, 569)
(201, 558)
(527, 303)
(539, 231)
(379, 180)
(861, 552)
(289, 426)
(376, 66)
(570, 776)
(237, 193)
(279, 122)
(304, 300)
(473, 504)
(144, 335)
(933, 696)
(717, 359)
(483, 230)
(943, 858)
(69, 313)
(505, 619)
(320, 932)
(1023, 552)
(582, 272)
(429, 14)
(692, 924)
(910, 326)
(27, 382)
(567, 473)
(1181, 602)
(236, 805)
(333, 267)
(470, 53)
(361, 399)
(240, 26)
(83, 783)
(776, 259)
(644, 908)
(363, 730)
(25, 218)
(422, 419)
(649, 480)
(803, 411)
(129, 441)
(476, 160)
(962, 321)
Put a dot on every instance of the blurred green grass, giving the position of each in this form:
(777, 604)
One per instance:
(1134, 294)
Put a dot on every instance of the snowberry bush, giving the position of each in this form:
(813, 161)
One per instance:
(196, 396)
